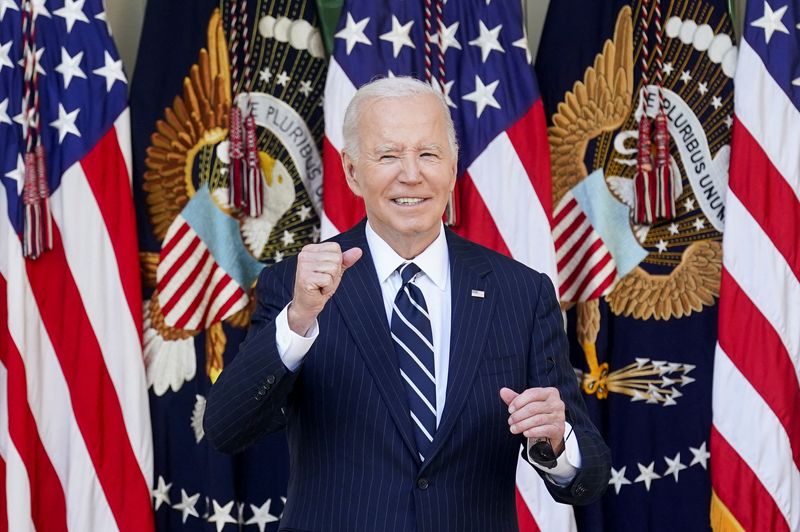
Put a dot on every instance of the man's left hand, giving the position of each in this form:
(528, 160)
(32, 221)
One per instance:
(536, 413)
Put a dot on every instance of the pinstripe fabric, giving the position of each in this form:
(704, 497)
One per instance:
(352, 466)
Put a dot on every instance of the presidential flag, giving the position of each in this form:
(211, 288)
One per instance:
(227, 141)
(476, 53)
(75, 441)
(755, 439)
(639, 100)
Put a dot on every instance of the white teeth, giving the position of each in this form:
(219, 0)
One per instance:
(408, 201)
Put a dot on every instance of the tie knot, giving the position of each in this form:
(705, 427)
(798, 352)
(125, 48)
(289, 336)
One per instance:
(407, 271)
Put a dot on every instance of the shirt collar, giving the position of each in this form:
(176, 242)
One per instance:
(434, 261)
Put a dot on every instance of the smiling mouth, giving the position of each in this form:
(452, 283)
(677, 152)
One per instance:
(408, 202)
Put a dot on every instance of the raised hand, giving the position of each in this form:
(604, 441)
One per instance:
(319, 271)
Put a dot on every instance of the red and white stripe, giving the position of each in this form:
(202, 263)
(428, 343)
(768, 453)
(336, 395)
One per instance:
(505, 197)
(586, 269)
(193, 290)
(75, 431)
(755, 441)
(341, 209)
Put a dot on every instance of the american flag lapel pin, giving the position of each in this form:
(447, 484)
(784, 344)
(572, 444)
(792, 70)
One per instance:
(478, 293)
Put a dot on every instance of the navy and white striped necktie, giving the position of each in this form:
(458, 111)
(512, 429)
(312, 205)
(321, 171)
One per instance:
(413, 342)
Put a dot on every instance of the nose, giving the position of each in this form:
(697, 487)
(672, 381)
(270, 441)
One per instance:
(411, 170)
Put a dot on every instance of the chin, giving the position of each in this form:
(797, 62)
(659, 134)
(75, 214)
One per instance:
(419, 227)
(411, 224)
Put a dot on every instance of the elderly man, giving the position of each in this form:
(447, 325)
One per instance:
(408, 365)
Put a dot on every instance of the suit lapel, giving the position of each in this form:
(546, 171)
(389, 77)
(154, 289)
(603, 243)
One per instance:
(468, 328)
(360, 302)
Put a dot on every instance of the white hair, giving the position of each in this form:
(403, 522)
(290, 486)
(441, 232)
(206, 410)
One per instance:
(390, 88)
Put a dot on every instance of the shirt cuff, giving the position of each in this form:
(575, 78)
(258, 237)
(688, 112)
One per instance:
(292, 347)
(567, 465)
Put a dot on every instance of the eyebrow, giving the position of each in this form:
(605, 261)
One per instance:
(430, 147)
(386, 148)
(390, 148)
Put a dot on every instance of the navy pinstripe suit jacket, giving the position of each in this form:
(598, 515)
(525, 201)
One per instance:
(353, 463)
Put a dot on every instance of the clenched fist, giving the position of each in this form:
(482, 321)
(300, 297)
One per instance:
(319, 270)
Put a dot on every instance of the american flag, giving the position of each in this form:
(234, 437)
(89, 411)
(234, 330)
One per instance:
(755, 440)
(476, 51)
(75, 438)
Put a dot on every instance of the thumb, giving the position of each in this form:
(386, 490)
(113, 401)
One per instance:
(350, 257)
(508, 395)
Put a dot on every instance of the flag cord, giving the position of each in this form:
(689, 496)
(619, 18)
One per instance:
(654, 187)
(439, 33)
(428, 37)
(666, 188)
(246, 184)
(451, 211)
(37, 233)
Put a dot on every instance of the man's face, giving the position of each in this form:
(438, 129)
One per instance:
(405, 168)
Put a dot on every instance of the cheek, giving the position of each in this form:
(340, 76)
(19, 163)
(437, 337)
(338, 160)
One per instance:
(447, 183)
(438, 174)
(375, 185)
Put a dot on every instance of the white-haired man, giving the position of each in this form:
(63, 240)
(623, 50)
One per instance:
(408, 365)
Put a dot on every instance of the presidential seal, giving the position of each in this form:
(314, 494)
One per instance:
(645, 267)
(233, 182)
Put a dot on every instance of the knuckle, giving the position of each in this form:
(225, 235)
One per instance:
(333, 247)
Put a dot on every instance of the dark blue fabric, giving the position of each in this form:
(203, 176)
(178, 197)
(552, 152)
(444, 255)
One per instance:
(354, 464)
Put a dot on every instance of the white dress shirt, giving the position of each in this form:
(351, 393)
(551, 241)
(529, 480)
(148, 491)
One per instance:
(434, 283)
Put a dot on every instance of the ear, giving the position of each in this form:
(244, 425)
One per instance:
(349, 167)
(453, 170)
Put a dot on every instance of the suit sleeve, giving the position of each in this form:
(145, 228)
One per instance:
(550, 366)
(249, 397)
